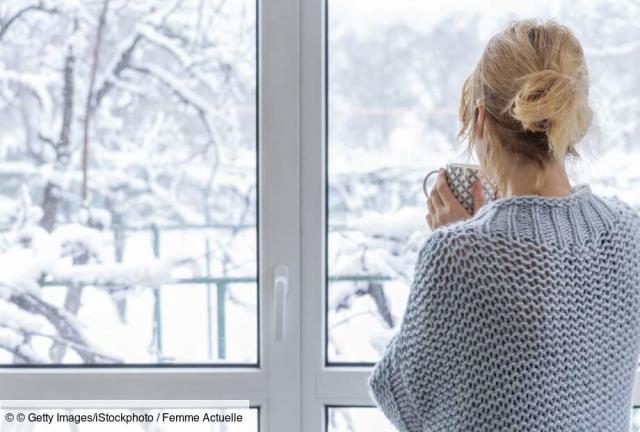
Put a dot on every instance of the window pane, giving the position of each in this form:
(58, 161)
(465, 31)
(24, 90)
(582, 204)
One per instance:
(395, 72)
(364, 419)
(635, 420)
(357, 419)
(128, 182)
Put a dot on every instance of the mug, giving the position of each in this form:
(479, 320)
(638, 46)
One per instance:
(461, 178)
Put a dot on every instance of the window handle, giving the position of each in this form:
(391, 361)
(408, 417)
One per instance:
(280, 288)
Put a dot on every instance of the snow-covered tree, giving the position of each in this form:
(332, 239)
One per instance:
(116, 113)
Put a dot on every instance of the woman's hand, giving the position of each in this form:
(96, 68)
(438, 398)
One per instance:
(444, 208)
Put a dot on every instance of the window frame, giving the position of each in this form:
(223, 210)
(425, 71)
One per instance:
(323, 385)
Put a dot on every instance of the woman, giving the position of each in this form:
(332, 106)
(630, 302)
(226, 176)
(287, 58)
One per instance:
(526, 315)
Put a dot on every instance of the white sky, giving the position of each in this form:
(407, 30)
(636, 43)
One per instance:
(365, 13)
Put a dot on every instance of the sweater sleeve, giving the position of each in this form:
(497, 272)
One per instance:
(390, 393)
(390, 385)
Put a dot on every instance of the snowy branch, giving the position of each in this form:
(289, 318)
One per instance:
(4, 26)
(121, 61)
(66, 329)
(20, 349)
(52, 192)
(88, 111)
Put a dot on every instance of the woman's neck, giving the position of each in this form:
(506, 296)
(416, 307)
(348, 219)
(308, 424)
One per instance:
(521, 180)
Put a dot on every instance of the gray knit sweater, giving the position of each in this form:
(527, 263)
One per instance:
(525, 317)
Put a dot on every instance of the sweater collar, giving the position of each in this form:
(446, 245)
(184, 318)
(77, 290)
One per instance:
(578, 218)
(578, 193)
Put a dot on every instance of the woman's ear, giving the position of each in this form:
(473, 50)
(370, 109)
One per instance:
(480, 122)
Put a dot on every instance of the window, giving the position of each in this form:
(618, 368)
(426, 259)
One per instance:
(635, 421)
(129, 183)
(356, 418)
(400, 122)
(138, 210)
(394, 74)
(160, 160)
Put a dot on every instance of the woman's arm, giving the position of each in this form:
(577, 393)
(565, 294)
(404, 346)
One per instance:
(389, 382)
(390, 393)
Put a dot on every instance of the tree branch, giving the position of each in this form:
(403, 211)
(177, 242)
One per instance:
(63, 325)
(39, 7)
(77, 347)
(88, 111)
(121, 64)
(20, 353)
(52, 190)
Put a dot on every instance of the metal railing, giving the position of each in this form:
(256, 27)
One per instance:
(215, 286)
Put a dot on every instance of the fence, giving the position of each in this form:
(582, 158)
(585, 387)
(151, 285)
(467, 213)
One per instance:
(215, 286)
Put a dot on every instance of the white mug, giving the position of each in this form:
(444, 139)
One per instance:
(461, 178)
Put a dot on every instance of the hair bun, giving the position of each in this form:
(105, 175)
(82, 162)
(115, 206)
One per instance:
(543, 97)
(549, 102)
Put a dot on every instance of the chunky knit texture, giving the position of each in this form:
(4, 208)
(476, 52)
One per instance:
(525, 317)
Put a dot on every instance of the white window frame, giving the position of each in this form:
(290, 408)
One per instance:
(274, 386)
(322, 385)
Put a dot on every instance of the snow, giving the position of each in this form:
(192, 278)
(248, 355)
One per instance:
(150, 33)
(349, 419)
(16, 319)
(10, 340)
(21, 271)
(36, 85)
(153, 273)
(90, 240)
(395, 224)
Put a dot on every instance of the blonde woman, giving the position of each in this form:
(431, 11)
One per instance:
(526, 315)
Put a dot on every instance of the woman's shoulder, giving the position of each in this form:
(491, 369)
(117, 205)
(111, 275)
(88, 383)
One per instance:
(623, 208)
(453, 242)
(463, 233)
(626, 217)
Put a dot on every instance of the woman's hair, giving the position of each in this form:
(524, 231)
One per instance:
(533, 81)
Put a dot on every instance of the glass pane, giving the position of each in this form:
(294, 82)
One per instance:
(395, 71)
(357, 419)
(128, 182)
(364, 419)
(635, 420)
